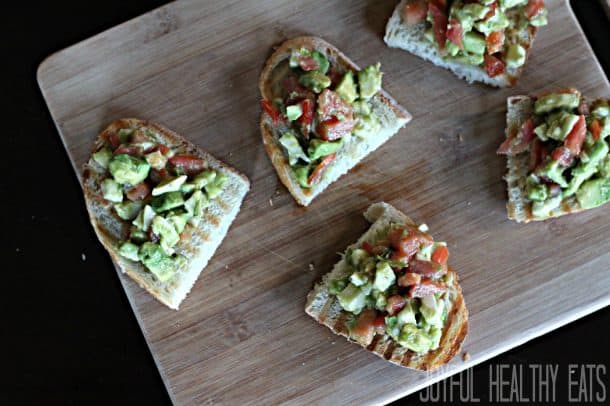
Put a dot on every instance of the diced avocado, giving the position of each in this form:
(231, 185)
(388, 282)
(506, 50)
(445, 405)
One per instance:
(112, 191)
(336, 286)
(369, 80)
(318, 148)
(295, 152)
(315, 81)
(467, 14)
(432, 310)
(541, 19)
(156, 160)
(601, 110)
(102, 157)
(322, 60)
(346, 88)
(541, 130)
(469, 59)
(429, 35)
(381, 301)
(435, 335)
(474, 43)
(125, 134)
(214, 188)
(451, 49)
(126, 169)
(170, 185)
(352, 299)
(425, 253)
(593, 193)
(167, 232)
(553, 101)
(188, 187)
(154, 258)
(515, 56)
(587, 169)
(366, 125)
(414, 339)
(506, 4)
(301, 173)
(293, 112)
(392, 327)
(356, 257)
(128, 210)
(406, 315)
(204, 178)
(361, 107)
(137, 235)
(448, 278)
(604, 168)
(542, 209)
(167, 201)
(384, 276)
(497, 22)
(196, 203)
(535, 190)
(359, 278)
(129, 250)
(144, 218)
(554, 171)
(179, 220)
(560, 124)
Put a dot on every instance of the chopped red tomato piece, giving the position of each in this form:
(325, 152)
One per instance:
(132, 150)
(156, 176)
(271, 111)
(334, 128)
(536, 153)
(364, 329)
(164, 149)
(368, 247)
(426, 268)
(533, 8)
(319, 170)
(113, 139)
(492, 10)
(439, 24)
(191, 165)
(596, 129)
(427, 287)
(308, 63)
(440, 255)
(379, 323)
(407, 240)
(415, 11)
(409, 279)
(306, 117)
(576, 137)
(330, 104)
(455, 32)
(494, 66)
(517, 143)
(138, 192)
(395, 304)
(563, 155)
(495, 42)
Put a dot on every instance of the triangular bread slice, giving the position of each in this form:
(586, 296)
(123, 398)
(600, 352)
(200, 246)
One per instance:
(392, 118)
(411, 38)
(198, 243)
(326, 310)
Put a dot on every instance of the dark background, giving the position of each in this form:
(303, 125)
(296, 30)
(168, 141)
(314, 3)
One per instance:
(68, 334)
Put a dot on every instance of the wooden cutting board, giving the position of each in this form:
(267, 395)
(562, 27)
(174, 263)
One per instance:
(242, 334)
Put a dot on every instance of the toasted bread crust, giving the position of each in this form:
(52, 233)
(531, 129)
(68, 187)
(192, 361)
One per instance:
(201, 241)
(274, 150)
(325, 309)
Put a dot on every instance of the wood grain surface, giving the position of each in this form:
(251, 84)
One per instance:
(242, 334)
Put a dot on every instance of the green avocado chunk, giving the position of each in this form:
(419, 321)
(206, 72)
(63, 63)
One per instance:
(179, 219)
(214, 188)
(129, 250)
(601, 110)
(167, 201)
(587, 169)
(126, 169)
(384, 276)
(167, 233)
(593, 193)
(560, 124)
(369, 80)
(301, 173)
(322, 60)
(144, 218)
(553, 101)
(128, 210)
(352, 299)
(196, 203)
(170, 185)
(414, 339)
(203, 178)
(346, 88)
(294, 112)
(604, 167)
(469, 59)
(295, 152)
(474, 43)
(102, 157)
(160, 264)
(366, 125)
(318, 148)
(515, 56)
(554, 171)
(138, 236)
(497, 22)
(506, 4)
(535, 190)
(543, 209)
(315, 81)
(112, 191)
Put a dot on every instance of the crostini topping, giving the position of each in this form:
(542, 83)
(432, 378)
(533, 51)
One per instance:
(485, 33)
(318, 108)
(396, 284)
(158, 191)
(569, 154)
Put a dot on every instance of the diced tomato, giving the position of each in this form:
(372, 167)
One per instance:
(334, 75)
(494, 66)
(455, 32)
(439, 24)
(533, 8)
(536, 153)
(319, 170)
(271, 111)
(517, 143)
(164, 149)
(427, 287)
(495, 42)
(132, 150)
(426, 268)
(596, 129)
(191, 165)
(415, 11)
(440, 255)
(334, 128)
(368, 247)
(330, 104)
(493, 6)
(409, 279)
(364, 329)
(379, 323)
(395, 304)
(563, 155)
(294, 91)
(576, 137)
(306, 118)
(138, 192)
(308, 63)
(113, 139)
(156, 176)
(407, 240)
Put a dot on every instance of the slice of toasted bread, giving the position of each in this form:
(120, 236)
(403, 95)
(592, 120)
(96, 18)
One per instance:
(411, 38)
(197, 244)
(326, 310)
(391, 115)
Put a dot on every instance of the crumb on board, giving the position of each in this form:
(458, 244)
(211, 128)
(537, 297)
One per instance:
(460, 138)
(271, 202)
(465, 356)
(311, 266)
(277, 192)
(16, 249)
(83, 256)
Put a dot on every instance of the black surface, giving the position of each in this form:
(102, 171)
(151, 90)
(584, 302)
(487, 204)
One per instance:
(68, 334)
